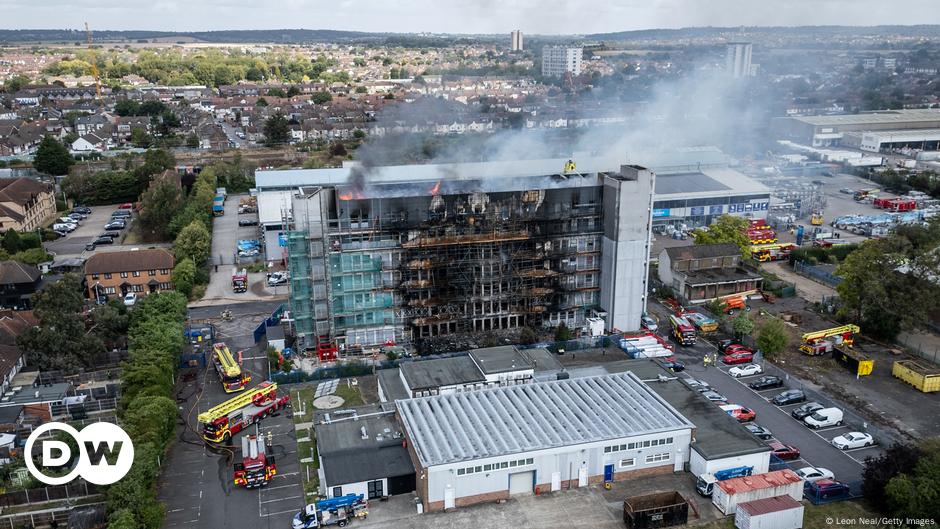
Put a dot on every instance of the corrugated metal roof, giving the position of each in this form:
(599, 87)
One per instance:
(890, 116)
(769, 505)
(759, 481)
(509, 420)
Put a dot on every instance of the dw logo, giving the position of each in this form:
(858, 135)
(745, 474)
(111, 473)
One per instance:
(105, 453)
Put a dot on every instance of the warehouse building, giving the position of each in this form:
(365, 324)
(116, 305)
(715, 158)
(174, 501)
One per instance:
(829, 131)
(360, 452)
(487, 445)
(893, 140)
(405, 253)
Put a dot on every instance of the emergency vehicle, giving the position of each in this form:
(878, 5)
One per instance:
(230, 372)
(220, 423)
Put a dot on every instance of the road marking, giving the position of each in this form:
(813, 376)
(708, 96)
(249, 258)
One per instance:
(281, 499)
(280, 487)
(859, 448)
(286, 474)
(280, 512)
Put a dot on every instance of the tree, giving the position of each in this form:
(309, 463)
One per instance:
(527, 336)
(192, 141)
(292, 91)
(276, 130)
(184, 277)
(773, 336)
(11, 86)
(742, 325)
(359, 134)
(276, 92)
(158, 204)
(193, 242)
(127, 107)
(319, 98)
(562, 333)
(262, 102)
(726, 228)
(879, 471)
(11, 241)
(52, 157)
(140, 138)
(914, 492)
(338, 149)
(60, 341)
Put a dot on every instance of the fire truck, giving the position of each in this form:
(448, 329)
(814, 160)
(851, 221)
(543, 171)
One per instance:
(771, 252)
(758, 232)
(682, 330)
(220, 423)
(332, 511)
(230, 372)
(816, 343)
(257, 466)
(239, 280)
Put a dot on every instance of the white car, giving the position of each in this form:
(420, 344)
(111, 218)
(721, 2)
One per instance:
(277, 278)
(813, 474)
(853, 440)
(130, 299)
(649, 323)
(745, 370)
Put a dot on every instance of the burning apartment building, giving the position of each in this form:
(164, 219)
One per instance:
(397, 254)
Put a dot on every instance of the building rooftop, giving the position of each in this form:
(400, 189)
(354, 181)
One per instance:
(129, 261)
(502, 359)
(718, 275)
(717, 434)
(543, 359)
(687, 183)
(692, 181)
(392, 387)
(35, 394)
(422, 374)
(702, 251)
(887, 116)
(769, 505)
(348, 457)
(13, 272)
(508, 420)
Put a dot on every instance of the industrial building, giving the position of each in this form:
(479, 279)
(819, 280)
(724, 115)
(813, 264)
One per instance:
(703, 272)
(486, 445)
(829, 131)
(403, 253)
(558, 61)
(891, 140)
(360, 452)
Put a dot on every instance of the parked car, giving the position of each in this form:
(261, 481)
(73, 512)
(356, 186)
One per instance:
(104, 240)
(130, 299)
(82, 209)
(740, 413)
(67, 220)
(64, 227)
(76, 216)
(724, 344)
(847, 191)
(737, 348)
(811, 474)
(766, 382)
(115, 225)
(249, 252)
(746, 370)
(125, 213)
(790, 396)
(714, 396)
(825, 488)
(648, 323)
(698, 385)
(738, 358)
(247, 222)
(277, 278)
(784, 452)
(759, 431)
(824, 418)
(673, 365)
(91, 246)
(806, 410)
(853, 440)
(126, 205)
(112, 234)
(60, 233)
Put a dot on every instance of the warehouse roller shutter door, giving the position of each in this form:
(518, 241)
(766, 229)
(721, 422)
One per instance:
(521, 482)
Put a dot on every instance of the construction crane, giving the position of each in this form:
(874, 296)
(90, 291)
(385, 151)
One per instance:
(94, 63)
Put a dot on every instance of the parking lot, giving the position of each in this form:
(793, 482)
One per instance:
(814, 445)
(73, 244)
(196, 484)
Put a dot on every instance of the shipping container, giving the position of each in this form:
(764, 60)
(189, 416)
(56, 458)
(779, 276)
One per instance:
(729, 493)
(858, 362)
(926, 379)
(778, 512)
(660, 509)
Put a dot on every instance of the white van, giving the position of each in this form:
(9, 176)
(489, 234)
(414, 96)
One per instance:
(823, 418)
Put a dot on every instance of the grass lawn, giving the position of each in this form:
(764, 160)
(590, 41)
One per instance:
(815, 516)
(349, 393)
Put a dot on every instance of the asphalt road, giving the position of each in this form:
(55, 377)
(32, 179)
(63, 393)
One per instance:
(814, 445)
(196, 483)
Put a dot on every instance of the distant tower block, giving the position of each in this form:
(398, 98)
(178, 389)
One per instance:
(515, 37)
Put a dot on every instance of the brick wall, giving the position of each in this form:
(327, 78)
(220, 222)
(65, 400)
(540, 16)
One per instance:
(421, 474)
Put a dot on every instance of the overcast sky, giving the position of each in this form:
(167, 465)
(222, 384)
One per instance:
(457, 16)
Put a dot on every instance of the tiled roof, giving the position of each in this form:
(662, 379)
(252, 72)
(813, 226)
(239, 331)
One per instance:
(129, 261)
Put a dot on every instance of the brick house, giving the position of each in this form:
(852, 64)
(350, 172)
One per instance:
(703, 272)
(111, 274)
(25, 204)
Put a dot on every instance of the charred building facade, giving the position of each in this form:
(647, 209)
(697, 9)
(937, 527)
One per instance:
(402, 253)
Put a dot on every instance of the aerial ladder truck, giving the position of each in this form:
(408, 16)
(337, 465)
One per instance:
(230, 372)
(816, 342)
(221, 422)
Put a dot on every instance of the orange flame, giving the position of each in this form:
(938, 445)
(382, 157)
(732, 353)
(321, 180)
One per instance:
(436, 190)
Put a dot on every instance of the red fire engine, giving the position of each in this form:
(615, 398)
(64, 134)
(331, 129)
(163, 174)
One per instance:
(234, 415)
(257, 466)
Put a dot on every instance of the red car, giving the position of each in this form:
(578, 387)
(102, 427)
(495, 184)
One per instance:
(740, 413)
(738, 358)
(737, 348)
(785, 452)
(126, 205)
